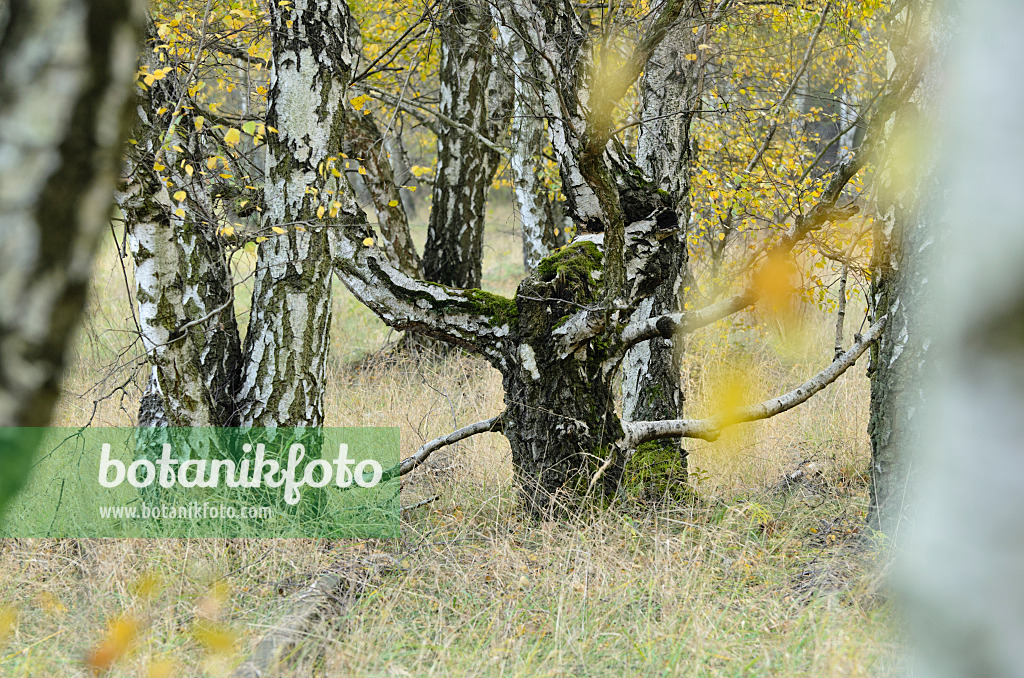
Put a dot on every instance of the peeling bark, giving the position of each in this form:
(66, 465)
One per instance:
(453, 254)
(65, 84)
(287, 341)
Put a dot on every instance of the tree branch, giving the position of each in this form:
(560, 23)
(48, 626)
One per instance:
(638, 432)
(408, 464)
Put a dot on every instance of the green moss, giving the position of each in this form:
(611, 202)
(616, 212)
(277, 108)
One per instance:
(497, 309)
(578, 260)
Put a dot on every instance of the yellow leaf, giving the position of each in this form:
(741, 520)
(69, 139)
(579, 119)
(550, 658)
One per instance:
(362, 170)
(260, 238)
(179, 196)
(232, 137)
(189, 170)
(180, 213)
(211, 163)
(228, 231)
(8, 620)
(162, 668)
(359, 101)
(199, 122)
(368, 242)
(158, 167)
(690, 57)
(320, 211)
(393, 203)
(119, 638)
(278, 230)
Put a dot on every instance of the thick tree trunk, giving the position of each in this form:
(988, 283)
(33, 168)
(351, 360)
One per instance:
(652, 371)
(287, 342)
(453, 254)
(65, 81)
(561, 421)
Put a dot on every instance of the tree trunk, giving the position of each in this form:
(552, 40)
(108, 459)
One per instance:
(536, 216)
(65, 79)
(183, 283)
(465, 165)
(961, 568)
(288, 338)
(561, 421)
(652, 371)
(904, 240)
(364, 141)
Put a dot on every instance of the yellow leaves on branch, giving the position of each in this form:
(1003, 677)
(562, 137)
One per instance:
(232, 137)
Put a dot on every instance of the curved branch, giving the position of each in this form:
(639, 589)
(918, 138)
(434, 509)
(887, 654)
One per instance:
(638, 432)
(408, 464)
(476, 320)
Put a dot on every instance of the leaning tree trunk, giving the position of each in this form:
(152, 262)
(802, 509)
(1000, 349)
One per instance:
(65, 79)
(183, 283)
(652, 371)
(287, 341)
(904, 238)
(453, 254)
(363, 141)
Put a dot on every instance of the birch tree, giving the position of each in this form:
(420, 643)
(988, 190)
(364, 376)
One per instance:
(904, 237)
(560, 342)
(470, 96)
(65, 74)
(965, 546)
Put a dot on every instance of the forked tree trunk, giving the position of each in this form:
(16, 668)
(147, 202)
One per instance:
(453, 254)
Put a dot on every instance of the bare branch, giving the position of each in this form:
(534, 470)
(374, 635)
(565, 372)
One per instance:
(488, 425)
(638, 432)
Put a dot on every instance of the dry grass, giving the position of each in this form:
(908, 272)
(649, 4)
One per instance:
(752, 581)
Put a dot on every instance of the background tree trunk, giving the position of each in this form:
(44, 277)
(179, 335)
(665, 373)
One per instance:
(453, 254)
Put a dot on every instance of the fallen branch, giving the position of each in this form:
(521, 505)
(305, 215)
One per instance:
(329, 593)
(638, 432)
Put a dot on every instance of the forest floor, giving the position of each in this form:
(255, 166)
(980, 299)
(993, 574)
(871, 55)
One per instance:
(758, 577)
